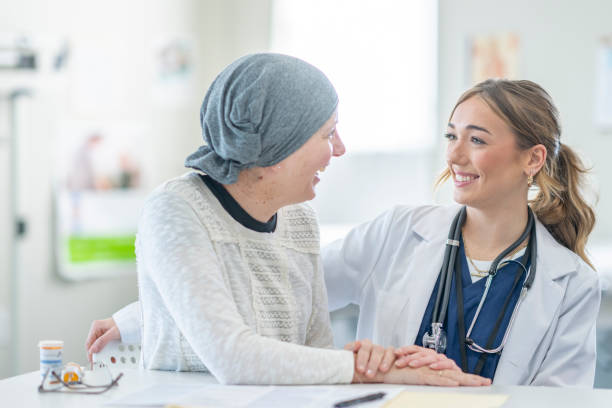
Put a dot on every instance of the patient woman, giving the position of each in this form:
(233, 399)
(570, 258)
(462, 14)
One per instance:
(228, 259)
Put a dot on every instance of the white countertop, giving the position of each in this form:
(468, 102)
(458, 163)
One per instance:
(21, 391)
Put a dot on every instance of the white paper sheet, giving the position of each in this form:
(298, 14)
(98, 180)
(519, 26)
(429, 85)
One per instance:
(220, 396)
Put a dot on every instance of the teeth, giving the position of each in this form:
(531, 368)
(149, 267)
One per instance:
(464, 178)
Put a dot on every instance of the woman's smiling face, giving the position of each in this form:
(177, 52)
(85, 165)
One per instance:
(300, 171)
(485, 162)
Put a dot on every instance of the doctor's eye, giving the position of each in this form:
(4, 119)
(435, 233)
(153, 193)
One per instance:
(450, 136)
(477, 140)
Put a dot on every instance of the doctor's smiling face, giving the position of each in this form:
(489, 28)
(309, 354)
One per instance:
(486, 165)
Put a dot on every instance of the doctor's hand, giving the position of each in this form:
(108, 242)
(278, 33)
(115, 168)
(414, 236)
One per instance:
(371, 358)
(416, 356)
(423, 376)
(100, 333)
(427, 376)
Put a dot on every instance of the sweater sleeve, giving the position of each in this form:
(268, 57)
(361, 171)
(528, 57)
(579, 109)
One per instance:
(129, 320)
(181, 262)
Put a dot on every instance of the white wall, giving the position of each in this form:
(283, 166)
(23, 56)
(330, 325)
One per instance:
(5, 235)
(558, 43)
(220, 31)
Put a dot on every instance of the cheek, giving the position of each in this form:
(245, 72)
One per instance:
(323, 156)
(498, 164)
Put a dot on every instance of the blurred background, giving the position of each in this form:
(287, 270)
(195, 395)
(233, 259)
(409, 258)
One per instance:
(99, 103)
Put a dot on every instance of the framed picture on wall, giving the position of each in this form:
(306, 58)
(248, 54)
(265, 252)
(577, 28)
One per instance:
(98, 199)
(603, 97)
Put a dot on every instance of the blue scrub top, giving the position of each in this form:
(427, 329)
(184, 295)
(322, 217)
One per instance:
(472, 292)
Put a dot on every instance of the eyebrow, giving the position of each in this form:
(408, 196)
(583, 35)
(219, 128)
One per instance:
(474, 127)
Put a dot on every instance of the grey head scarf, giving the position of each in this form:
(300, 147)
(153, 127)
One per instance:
(258, 111)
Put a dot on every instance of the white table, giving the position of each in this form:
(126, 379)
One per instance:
(21, 391)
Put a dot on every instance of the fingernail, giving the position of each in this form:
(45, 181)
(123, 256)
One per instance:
(384, 366)
(413, 363)
(361, 368)
(370, 373)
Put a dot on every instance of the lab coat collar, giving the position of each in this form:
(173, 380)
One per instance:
(554, 260)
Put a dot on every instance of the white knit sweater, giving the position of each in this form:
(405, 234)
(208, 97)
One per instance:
(243, 304)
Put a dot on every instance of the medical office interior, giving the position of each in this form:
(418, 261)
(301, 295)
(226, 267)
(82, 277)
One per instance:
(99, 103)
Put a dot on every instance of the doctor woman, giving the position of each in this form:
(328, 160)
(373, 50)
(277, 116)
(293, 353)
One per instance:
(529, 293)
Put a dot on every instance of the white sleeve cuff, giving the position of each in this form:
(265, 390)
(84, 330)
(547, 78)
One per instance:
(128, 321)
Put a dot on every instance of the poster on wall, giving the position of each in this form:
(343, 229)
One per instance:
(493, 56)
(98, 199)
(603, 87)
(173, 76)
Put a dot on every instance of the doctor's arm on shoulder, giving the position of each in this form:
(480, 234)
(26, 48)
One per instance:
(570, 360)
(349, 262)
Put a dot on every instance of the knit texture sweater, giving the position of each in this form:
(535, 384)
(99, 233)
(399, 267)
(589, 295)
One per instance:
(249, 307)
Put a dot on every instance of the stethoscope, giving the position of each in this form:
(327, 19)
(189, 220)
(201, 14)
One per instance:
(436, 339)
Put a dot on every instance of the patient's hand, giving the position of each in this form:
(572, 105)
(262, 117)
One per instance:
(416, 356)
(371, 358)
(100, 333)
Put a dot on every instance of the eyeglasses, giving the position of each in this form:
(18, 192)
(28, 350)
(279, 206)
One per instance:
(78, 387)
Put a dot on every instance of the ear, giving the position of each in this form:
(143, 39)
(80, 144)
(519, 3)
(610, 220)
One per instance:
(535, 157)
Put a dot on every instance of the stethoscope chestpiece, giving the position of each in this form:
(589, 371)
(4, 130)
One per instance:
(437, 339)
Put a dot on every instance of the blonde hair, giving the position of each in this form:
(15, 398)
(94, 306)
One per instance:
(534, 119)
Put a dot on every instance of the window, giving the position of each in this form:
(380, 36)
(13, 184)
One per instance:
(381, 56)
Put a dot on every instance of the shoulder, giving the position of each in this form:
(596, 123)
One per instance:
(424, 212)
(301, 211)
(186, 199)
(298, 228)
(557, 261)
(428, 221)
(188, 186)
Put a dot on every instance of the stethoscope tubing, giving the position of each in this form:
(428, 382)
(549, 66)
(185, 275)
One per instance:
(450, 254)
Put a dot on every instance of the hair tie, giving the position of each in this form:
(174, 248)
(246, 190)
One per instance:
(557, 147)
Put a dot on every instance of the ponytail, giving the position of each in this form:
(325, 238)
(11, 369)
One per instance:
(559, 203)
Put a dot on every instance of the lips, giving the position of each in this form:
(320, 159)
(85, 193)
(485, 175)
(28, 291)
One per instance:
(318, 173)
(463, 179)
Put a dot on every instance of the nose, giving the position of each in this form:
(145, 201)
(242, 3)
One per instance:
(338, 148)
(455, 151)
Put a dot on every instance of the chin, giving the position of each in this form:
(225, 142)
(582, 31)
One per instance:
(462, 199)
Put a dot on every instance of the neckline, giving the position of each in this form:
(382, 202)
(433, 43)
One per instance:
(233, 208)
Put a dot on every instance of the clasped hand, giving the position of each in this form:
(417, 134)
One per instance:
(412, 365)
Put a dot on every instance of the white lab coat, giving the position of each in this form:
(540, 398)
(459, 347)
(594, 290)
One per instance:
(389, 267)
